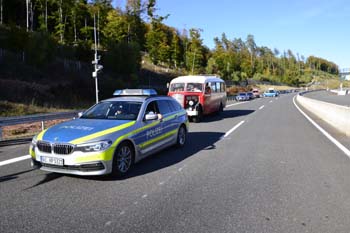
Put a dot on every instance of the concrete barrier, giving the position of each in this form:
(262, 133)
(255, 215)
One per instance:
(336, 115)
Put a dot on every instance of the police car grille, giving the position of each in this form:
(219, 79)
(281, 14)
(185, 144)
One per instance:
(44, 146)
(63, 149)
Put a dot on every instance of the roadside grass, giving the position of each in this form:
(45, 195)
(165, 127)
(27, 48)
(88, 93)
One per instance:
(26, 130)
(263, 87)
(8, 109)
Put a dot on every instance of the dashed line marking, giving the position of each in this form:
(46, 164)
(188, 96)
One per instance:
(261, 107)
(122, 213)
(161, 183)
(271, 101)
(233, 129)
(227, 106)
(14, 160)
(144, 196)
(180, 169)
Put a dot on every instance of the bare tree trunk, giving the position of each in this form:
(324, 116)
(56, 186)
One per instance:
(46, 16)
(1, 12)
(61, 22)
(75, 28)
(27, 6)
(31, 16)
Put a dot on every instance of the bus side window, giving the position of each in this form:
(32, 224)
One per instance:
(207, 88)
(218, 87)
(213, 87)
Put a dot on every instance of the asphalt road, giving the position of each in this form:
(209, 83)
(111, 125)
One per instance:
(329, 97)
(274, 173)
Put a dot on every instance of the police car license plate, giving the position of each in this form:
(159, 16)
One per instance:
(51, 160)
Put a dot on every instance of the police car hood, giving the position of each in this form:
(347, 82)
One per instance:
(78, 128)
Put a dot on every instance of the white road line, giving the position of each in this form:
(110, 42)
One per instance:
(261, 107)
(271, 101)
(14, 160)
(325, 133)
(227, 106)
(233, 129)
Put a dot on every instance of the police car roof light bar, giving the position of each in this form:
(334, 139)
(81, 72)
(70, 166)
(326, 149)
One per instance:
(135, 92)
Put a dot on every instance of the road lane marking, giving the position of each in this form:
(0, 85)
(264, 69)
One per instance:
(325, 133)
(14, 160)
(271, 101)
(235, 104)
(233, 129)
(261, 107)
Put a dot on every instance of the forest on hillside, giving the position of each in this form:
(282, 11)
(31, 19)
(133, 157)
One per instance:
(43, 32)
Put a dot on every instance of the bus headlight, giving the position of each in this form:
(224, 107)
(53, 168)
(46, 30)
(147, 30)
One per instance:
(191, 103)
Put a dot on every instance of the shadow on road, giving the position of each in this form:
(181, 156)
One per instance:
(48, 177)
(226, 114)
(197, 141)
(13, 176)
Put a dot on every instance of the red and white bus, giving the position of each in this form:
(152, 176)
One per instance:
(199, 94)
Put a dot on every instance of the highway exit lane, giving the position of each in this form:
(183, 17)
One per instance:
(274, 173)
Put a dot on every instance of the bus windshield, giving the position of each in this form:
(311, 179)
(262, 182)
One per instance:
(197, 87)
(174, 87)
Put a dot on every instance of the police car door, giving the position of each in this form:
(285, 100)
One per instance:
(151, 136)
(170, 121)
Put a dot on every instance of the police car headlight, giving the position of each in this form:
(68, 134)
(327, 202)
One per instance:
(94, 146)
(34, 141)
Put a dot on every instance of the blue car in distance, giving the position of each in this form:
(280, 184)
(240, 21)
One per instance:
(271, 93)
(242, 96)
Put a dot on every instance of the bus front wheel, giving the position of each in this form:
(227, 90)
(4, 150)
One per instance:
(198, 118)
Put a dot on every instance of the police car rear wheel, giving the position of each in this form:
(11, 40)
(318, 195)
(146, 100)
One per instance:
(123, 159)
(181, 137)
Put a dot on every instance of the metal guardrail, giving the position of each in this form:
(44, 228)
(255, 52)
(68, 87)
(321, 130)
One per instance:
(7, 121)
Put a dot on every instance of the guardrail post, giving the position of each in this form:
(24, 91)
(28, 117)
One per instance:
(42, 125)
(0, 132)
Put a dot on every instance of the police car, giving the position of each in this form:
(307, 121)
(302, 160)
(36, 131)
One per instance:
(112, 135)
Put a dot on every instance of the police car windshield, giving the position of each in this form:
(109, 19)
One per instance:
(114, 110)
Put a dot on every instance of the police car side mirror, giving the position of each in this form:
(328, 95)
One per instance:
(151, 116)
(80, 114)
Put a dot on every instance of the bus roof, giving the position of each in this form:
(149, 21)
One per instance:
(197, 79)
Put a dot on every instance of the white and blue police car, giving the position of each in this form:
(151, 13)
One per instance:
(112, 135)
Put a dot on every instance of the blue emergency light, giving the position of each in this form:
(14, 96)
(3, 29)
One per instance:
(135, 92)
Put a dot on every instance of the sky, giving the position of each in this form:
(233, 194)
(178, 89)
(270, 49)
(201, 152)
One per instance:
(307, 27)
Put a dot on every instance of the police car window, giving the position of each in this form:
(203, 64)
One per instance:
(175, 106)
(164, 107)
(152, 107)
(114, 110)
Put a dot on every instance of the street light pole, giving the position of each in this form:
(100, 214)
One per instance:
(96, 60)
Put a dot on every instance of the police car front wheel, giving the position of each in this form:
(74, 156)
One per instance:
(123, 159)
